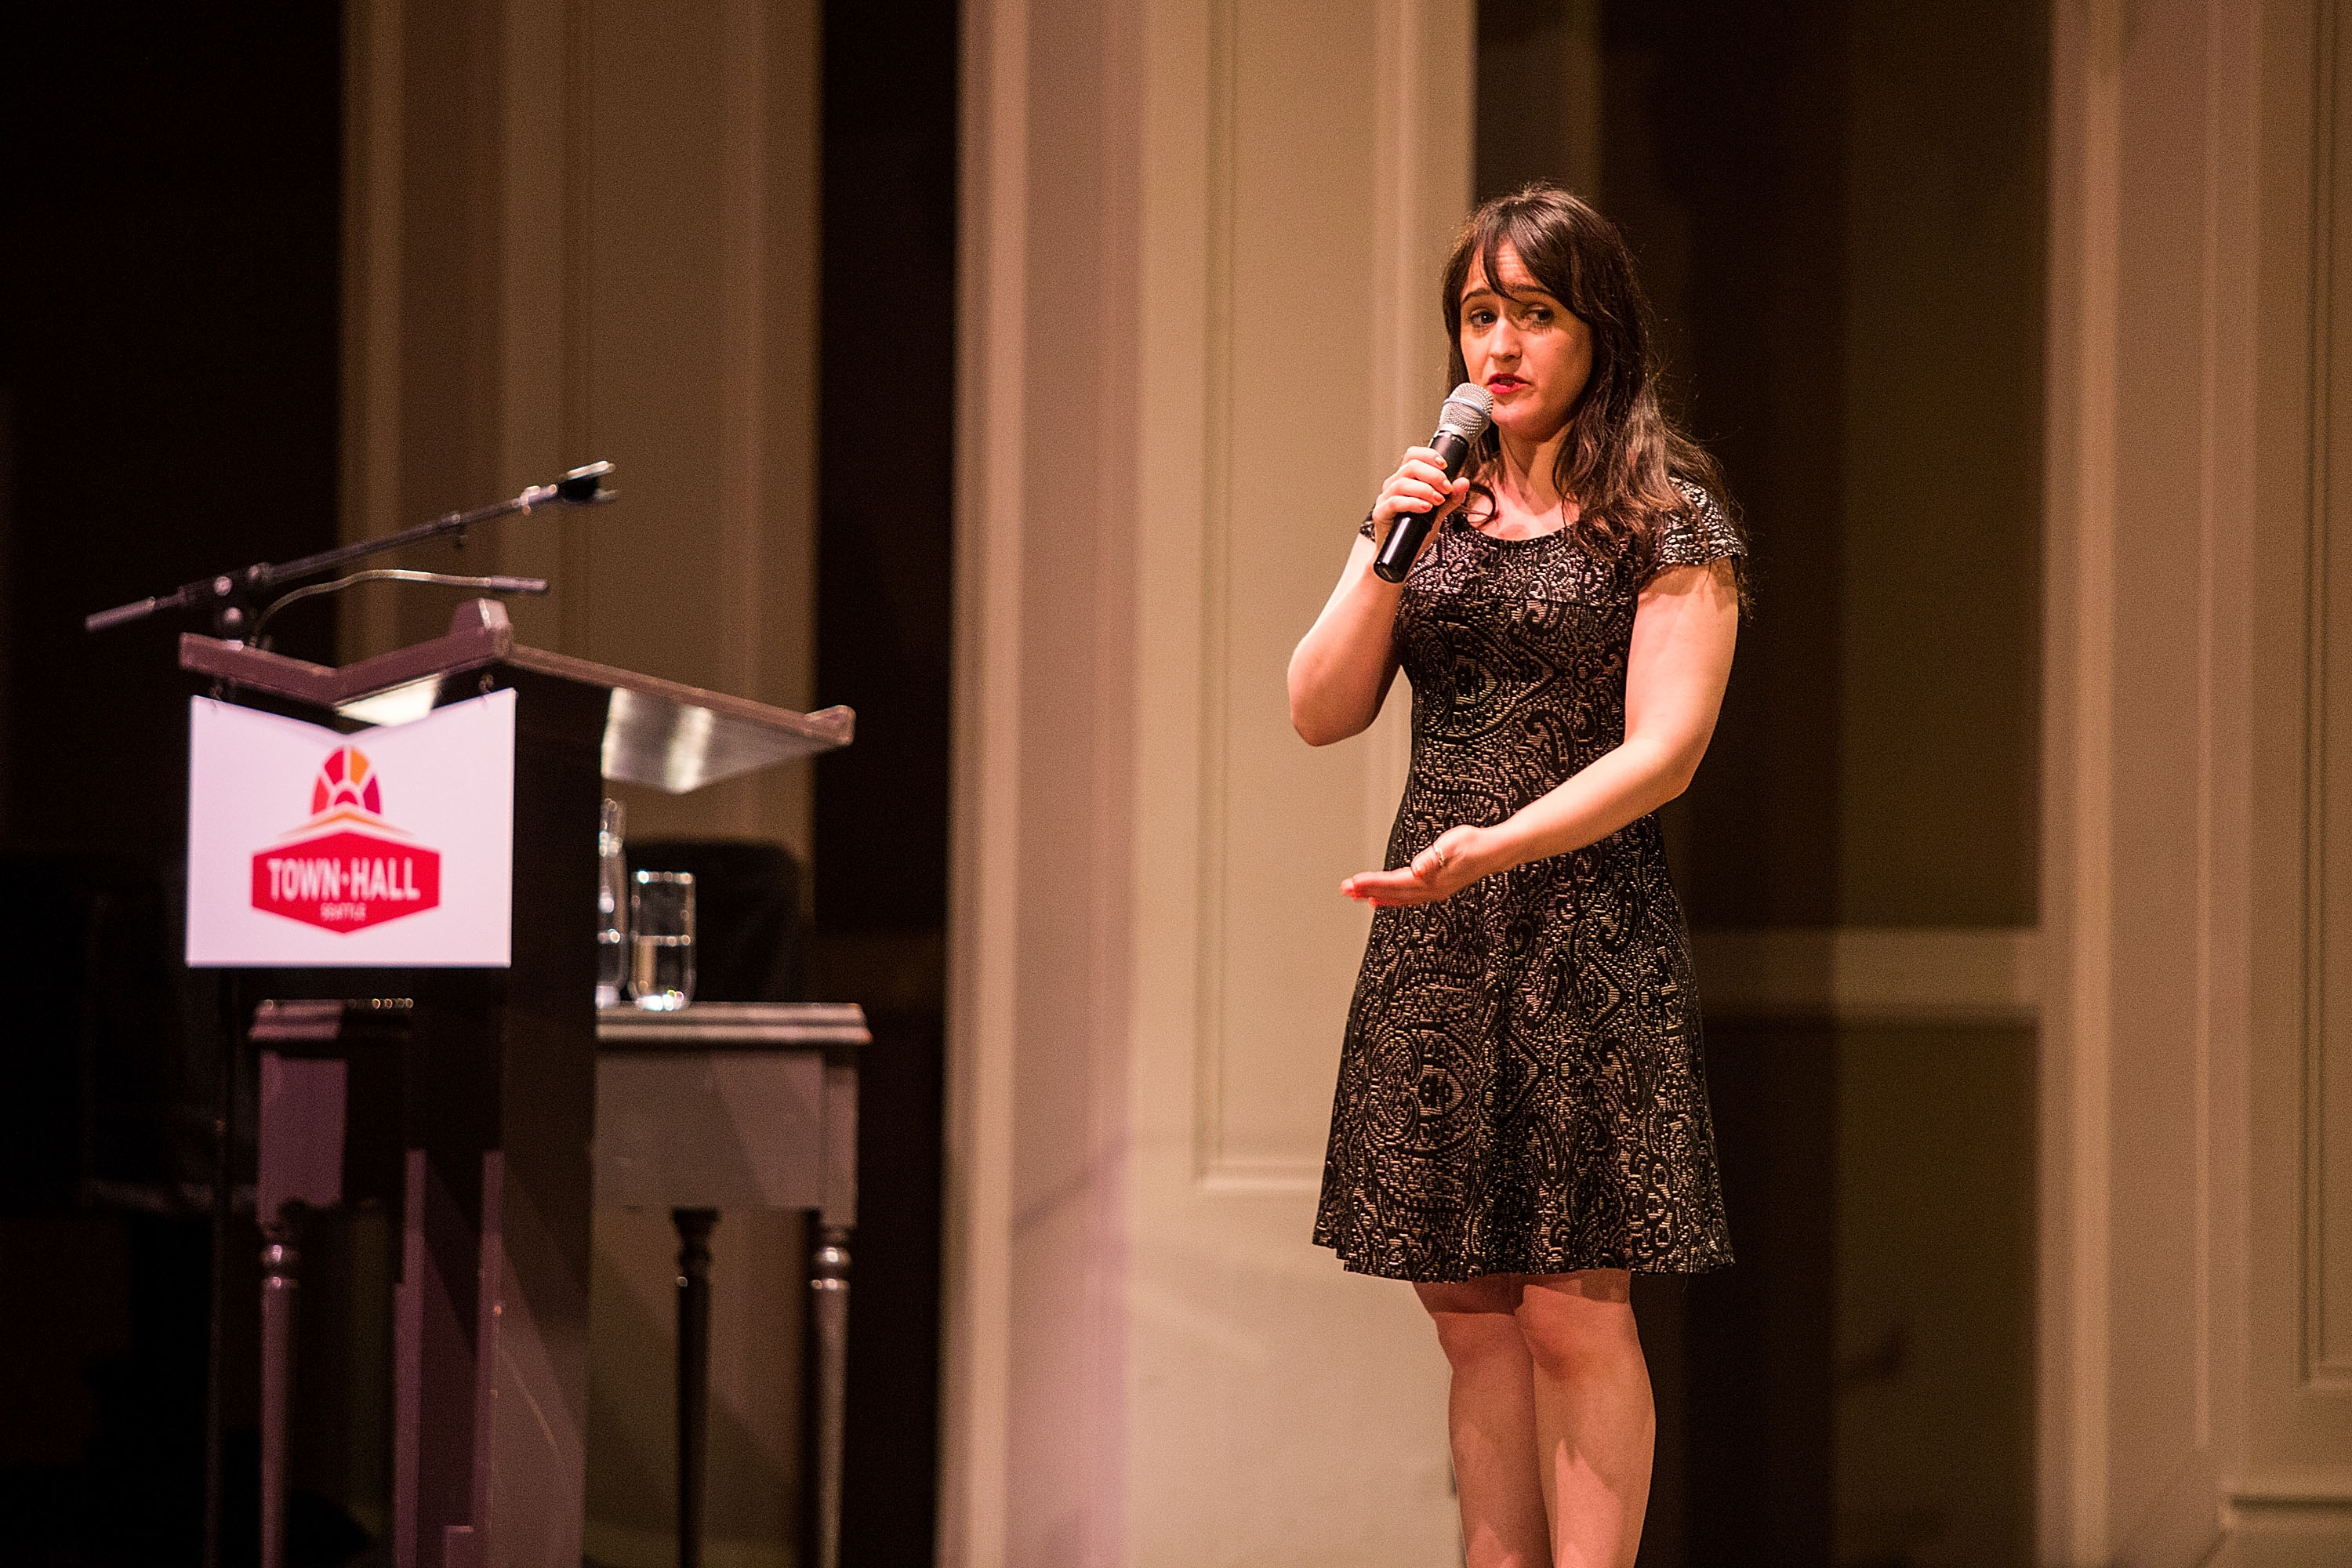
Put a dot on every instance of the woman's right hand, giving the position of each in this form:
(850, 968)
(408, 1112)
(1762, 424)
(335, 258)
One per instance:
(1419, 485)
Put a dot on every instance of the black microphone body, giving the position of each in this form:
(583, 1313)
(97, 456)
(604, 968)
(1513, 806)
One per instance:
(1410, 528)
(1461, 422)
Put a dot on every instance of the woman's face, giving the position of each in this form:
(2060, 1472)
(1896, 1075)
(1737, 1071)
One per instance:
(1527, 349)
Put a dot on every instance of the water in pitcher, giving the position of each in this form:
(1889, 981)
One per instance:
(612, 910)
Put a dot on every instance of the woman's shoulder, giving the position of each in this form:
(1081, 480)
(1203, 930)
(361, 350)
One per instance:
(1702, 530)
(1699, 503)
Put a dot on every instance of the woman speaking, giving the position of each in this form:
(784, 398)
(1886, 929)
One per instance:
(1521, 1119)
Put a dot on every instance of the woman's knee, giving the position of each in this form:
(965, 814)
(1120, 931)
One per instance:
(1579, 1326)
(1475, 1319)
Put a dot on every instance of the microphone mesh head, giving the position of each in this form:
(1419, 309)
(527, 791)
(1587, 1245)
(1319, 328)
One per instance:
(1467, 411)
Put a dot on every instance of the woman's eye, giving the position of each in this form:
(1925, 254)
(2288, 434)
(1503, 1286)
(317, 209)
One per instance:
(1482, 319)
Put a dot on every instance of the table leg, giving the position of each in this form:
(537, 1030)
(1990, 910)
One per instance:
(279, 1263)
(829, 1340)
(693, 1374)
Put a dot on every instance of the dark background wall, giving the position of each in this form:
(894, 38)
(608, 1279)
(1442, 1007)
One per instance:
(168, 297)
(885, 569)
(1837, 209)
(168, 348)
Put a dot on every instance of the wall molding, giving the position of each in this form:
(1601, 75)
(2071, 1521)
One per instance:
(1852, 974)
(984, 881)
(1418, 187)
(2077, 761)
(1211, 1041)
(2327, 1355)
(2259, 1508)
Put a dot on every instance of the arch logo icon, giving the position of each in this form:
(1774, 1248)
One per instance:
(347, 868)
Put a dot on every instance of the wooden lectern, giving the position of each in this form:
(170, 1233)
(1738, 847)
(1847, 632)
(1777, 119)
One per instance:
(492, 1317)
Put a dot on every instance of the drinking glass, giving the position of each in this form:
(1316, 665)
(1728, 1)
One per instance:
(611, 909)
(661, 940)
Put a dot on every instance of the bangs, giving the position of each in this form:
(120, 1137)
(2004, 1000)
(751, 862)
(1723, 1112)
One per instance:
(1547, 255)
(1519, 230)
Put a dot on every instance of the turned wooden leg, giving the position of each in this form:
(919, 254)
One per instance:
(829, 1342)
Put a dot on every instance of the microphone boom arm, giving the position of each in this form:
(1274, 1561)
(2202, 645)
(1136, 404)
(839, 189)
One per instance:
(228, 593)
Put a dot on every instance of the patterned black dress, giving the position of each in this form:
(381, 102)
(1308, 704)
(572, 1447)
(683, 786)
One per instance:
(1521, 1089)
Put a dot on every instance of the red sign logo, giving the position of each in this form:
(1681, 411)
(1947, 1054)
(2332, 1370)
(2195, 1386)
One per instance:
(346, 868)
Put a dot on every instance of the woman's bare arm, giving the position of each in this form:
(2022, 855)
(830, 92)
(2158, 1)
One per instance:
(1675, 671)
(1342, 669)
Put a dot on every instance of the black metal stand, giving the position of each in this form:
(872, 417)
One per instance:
(694, 1227)
(279, 1283)
(232, 1028)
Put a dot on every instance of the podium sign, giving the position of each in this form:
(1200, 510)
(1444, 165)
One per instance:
(311, 848)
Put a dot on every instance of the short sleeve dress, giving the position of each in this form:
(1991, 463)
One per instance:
(1521, 1085)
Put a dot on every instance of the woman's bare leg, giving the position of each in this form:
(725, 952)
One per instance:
(1490, 1414)
(1595, 1425)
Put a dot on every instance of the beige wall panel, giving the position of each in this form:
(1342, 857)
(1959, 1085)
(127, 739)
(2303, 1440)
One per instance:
(2146, 856)
(2303, 1544)
(1325, 157)
(2154, 922)
(590, 231)
(1282, 822)
(2328, 717)
(1047, 454)
(698, 372)
(656, 335)
(1932, 1295)
(1188, 231)
(2296, 1487)
(1941, 511)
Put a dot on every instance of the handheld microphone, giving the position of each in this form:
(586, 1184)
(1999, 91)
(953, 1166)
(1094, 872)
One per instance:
(1460, 423)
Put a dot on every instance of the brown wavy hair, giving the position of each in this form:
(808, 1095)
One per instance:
(1625, 451)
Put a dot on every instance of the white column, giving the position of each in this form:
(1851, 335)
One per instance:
(1202, 246)
(2192, 1396)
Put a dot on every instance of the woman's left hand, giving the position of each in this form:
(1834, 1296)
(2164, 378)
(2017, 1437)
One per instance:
(1455, 860)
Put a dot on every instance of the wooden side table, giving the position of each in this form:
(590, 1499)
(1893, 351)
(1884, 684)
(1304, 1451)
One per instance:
(741, 1105)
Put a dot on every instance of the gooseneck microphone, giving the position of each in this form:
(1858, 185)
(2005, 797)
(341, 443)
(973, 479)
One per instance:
(1459, 424)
